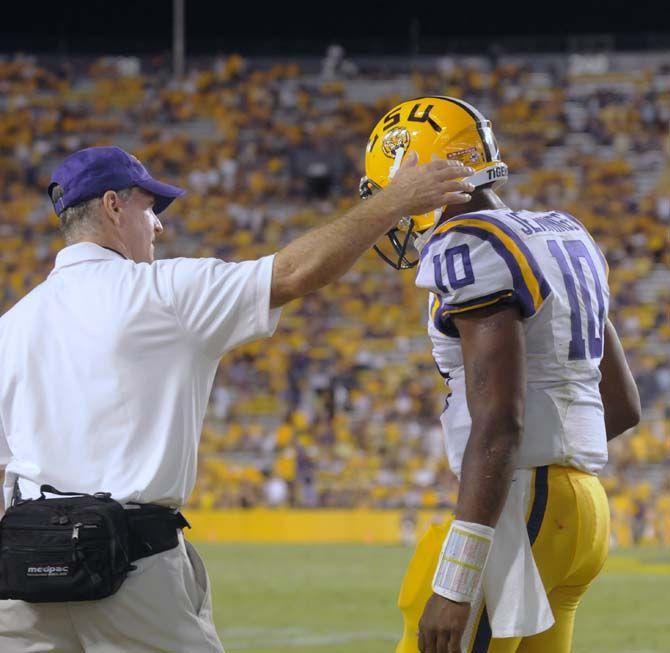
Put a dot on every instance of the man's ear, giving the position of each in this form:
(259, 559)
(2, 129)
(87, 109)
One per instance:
(111, 205)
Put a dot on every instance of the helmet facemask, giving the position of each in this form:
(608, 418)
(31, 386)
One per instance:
(400, 239)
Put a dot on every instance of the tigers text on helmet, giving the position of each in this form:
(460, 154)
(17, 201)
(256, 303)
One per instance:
(433, 127)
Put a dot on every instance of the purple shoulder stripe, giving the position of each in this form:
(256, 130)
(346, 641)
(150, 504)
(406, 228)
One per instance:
(521, 290)
(532, 262)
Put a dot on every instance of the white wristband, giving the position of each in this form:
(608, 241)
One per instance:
(463, 557)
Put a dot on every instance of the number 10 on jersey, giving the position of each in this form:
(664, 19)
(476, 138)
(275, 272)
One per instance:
(578, 253)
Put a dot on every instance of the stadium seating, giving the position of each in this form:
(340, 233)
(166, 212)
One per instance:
(340, 408)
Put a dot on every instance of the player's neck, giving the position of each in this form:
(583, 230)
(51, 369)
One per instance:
(484, 199)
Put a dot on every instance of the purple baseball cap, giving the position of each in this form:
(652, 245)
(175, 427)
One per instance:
(93, 171)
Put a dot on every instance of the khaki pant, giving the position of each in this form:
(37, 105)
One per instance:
(164, 606)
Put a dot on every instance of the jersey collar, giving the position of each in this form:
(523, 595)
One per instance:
(86, 251)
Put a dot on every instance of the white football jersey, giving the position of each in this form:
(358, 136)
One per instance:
(548, 265)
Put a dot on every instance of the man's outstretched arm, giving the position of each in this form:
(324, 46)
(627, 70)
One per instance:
(493, 347)
(324, 254)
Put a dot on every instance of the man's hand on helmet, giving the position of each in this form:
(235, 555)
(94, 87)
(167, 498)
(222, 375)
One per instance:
(417, 189)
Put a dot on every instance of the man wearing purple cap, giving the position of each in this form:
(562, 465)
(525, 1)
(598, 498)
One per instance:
(107, 370)
(77, 191)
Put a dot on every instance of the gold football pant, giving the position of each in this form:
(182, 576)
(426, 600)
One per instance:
(568, 526)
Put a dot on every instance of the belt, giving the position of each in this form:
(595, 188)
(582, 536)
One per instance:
(153, 529)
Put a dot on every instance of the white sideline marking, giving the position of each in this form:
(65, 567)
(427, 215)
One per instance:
(235, 639)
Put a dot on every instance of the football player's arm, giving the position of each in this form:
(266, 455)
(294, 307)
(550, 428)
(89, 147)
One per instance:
(324, 254)
(493, 346)
(621, 399)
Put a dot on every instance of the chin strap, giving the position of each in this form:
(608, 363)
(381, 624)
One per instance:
(421, 240)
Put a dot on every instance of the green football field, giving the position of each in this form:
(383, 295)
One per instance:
(341, 599)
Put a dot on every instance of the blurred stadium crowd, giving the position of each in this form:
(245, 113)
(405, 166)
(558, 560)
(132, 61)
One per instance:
(340, 408)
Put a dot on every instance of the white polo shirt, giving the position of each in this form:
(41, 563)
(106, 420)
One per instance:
(107, 367)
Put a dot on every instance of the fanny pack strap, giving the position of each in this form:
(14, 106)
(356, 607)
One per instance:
(52, 490)
(153, 530)
(16, 495)
(16, 492)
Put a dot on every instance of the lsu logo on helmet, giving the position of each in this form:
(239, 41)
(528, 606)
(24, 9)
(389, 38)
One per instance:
(398, 137)
(443, 127)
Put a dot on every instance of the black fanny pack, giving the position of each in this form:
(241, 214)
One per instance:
(79, 547)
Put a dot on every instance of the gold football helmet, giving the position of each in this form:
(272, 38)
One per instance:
(432, 127)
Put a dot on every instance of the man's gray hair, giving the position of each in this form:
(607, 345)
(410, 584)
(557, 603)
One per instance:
(78, 220)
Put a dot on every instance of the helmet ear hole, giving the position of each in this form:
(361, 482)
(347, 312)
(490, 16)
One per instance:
(367, 188)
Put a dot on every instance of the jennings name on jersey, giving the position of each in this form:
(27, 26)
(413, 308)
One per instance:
(550, 267)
